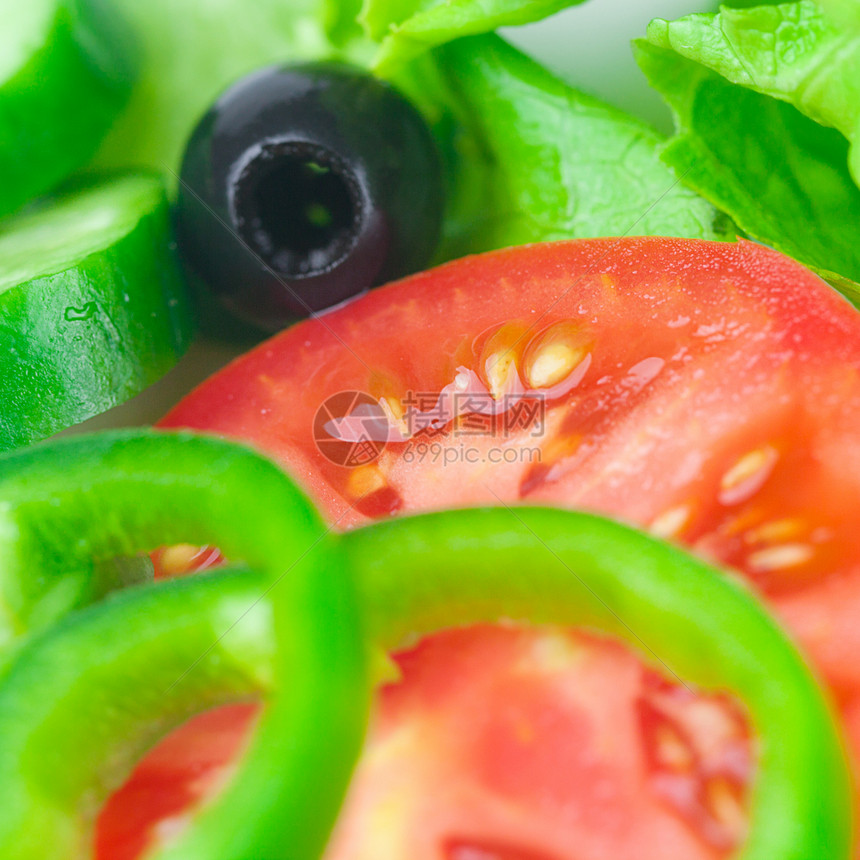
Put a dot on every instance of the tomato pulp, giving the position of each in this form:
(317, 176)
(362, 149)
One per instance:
(708, 392)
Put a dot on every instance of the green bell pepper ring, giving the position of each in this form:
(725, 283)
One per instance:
(65, 503)
(478, 565)
(73, 727)
(108, 711)
(551, 566)
(71, 505)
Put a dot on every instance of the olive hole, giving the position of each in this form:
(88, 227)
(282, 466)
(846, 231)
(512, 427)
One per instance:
(299, 209)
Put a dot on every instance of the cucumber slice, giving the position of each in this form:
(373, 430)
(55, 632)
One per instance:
(93, 306)
(66, 71)
(191, 51)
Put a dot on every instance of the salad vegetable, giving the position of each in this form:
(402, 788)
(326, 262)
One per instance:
(530, 159)
(297, 637)
(55, 53)
(406, 29)
(689, 382)
(467, 566)
(767, 102)
(93, 308)
(44, 508)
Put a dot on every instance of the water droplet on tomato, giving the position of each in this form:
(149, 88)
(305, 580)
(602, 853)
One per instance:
(645, 371)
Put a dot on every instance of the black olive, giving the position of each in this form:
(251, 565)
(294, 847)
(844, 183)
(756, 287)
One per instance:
(305, 185)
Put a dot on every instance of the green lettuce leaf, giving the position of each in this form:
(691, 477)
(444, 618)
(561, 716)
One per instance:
(793, 52)
(842, 11)
(765, 101)
(340, 21)
(529, 159)
(407, 28)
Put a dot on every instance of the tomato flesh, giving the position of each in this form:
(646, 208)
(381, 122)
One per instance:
(532, 753)
(184, 770)
(707, 392)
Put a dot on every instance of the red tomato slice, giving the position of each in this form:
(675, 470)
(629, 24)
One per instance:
(719, 405)
(706, 391)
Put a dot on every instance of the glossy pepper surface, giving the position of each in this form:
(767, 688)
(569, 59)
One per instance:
(78, 702)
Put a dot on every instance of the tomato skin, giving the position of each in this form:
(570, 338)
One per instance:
(720, 408)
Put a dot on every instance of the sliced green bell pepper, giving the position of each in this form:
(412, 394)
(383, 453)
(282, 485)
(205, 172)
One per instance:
(62, 753)
(78, 701)
(70, 505)
(73, 726)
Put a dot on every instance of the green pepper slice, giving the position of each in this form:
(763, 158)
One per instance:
(73, 726)
(69, 506)
(415, 575)
(78, 700)
(546, 565)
